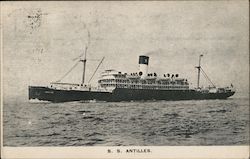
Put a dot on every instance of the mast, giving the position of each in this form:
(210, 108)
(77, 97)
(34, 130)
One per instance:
(84, 65)
(199, 71)
(85, 60)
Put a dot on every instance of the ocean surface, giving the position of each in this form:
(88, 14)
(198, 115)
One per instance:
(151, 123)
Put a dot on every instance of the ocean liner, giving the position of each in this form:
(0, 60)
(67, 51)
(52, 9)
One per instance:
(114, 86)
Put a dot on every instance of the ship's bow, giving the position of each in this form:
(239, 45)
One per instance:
(40, 93)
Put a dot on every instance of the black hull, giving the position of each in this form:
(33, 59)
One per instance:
(120, 94)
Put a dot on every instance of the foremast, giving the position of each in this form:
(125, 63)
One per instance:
(84, 61)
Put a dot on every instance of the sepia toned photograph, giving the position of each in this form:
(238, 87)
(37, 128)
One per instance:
(125, 73)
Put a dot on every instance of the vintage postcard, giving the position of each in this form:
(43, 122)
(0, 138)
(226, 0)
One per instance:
(125, 79)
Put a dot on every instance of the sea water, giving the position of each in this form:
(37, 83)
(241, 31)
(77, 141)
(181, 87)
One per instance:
(144, 123)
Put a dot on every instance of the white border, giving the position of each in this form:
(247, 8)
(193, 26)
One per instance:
(159, 152)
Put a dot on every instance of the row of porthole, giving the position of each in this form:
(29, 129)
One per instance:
(141, 86)
(185, 84)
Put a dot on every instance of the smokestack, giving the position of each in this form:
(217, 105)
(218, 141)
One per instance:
(143, 66)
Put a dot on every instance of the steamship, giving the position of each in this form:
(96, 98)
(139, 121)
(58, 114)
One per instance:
(115, 86)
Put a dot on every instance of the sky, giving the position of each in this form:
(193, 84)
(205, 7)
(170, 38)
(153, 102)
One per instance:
(40, 40)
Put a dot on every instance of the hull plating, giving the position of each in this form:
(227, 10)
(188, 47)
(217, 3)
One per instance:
(120, 94)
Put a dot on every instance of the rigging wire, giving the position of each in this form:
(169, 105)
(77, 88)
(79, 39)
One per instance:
(68, 71)
(206, 76)
(96, 69)
(83, 26)
(79, 57)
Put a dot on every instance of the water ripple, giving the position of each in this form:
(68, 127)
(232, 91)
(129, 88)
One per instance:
(152, 123)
